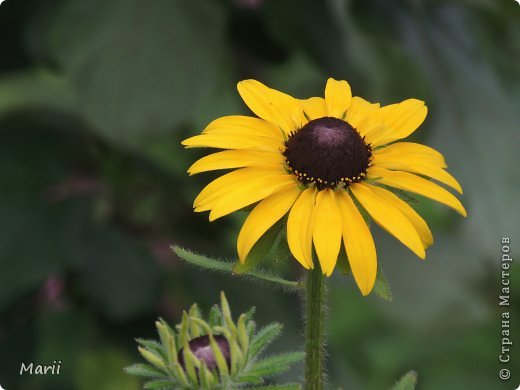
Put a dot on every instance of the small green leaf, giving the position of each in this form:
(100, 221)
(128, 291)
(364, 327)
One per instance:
(275, 364)
(151, 345)
(194, 327)
(264, 337)
(260, 250)
(145, 370)
(179, 374)
(227, 267)
(159, 385)
(202, 324)
(242, 333)
(249, 314)
(163, 332)
(226, 312)
(152, 358)
(191, 363)
(221, 361)
(215, 316)
(407, 382)
(184, 332)
(253, 379)
(381, 287)
(203, 261)
(205, 376)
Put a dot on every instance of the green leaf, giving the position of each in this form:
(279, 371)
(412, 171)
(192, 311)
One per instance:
(215, 316)
(381, 287)
(252, 379)
(407, 382)
(152, 345)
(227, 267)
(159, 385)
(203, 261)
(137, 69)
(264, 337)
(146, 370)
(260, 250)
(275, 364)
(34, 88)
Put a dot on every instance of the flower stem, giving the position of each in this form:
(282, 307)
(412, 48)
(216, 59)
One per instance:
(314, 329)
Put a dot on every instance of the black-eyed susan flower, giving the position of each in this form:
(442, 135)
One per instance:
(320, 160)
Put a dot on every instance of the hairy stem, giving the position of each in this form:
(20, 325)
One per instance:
(314, 329)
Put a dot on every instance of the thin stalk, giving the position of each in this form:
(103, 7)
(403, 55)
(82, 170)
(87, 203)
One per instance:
(314, 329)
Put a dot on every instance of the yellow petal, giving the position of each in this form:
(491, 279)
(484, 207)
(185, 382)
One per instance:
(220, 186)
(358, 242)
(248, 193)
(359, 110)
(327, 230)
(315, 107)
(419, 224)
(234, 159)
(264, 215)
(403, 150)
(415, 165)
(274, 106)
(413, 183)
(238, 124)
(233, 141)
(338, 97)
(399, 120)
(300, 227)
(238, 132)
(389, 218)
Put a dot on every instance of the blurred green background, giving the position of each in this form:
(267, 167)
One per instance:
(95, 97)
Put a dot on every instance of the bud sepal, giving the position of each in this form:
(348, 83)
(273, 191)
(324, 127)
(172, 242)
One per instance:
(215, 354)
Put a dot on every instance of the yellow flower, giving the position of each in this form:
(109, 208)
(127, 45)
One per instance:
(320, 160)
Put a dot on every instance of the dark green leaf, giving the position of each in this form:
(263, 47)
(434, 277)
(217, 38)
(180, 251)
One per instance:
(137, 68)
(34, 88)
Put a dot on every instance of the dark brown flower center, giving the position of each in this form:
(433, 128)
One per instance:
(327, 151)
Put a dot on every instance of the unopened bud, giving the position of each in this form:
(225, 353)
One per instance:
(201, 348)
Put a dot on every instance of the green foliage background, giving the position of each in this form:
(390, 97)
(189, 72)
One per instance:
(95, 97)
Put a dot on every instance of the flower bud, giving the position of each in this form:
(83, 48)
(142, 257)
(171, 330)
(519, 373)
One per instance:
(201, 348)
